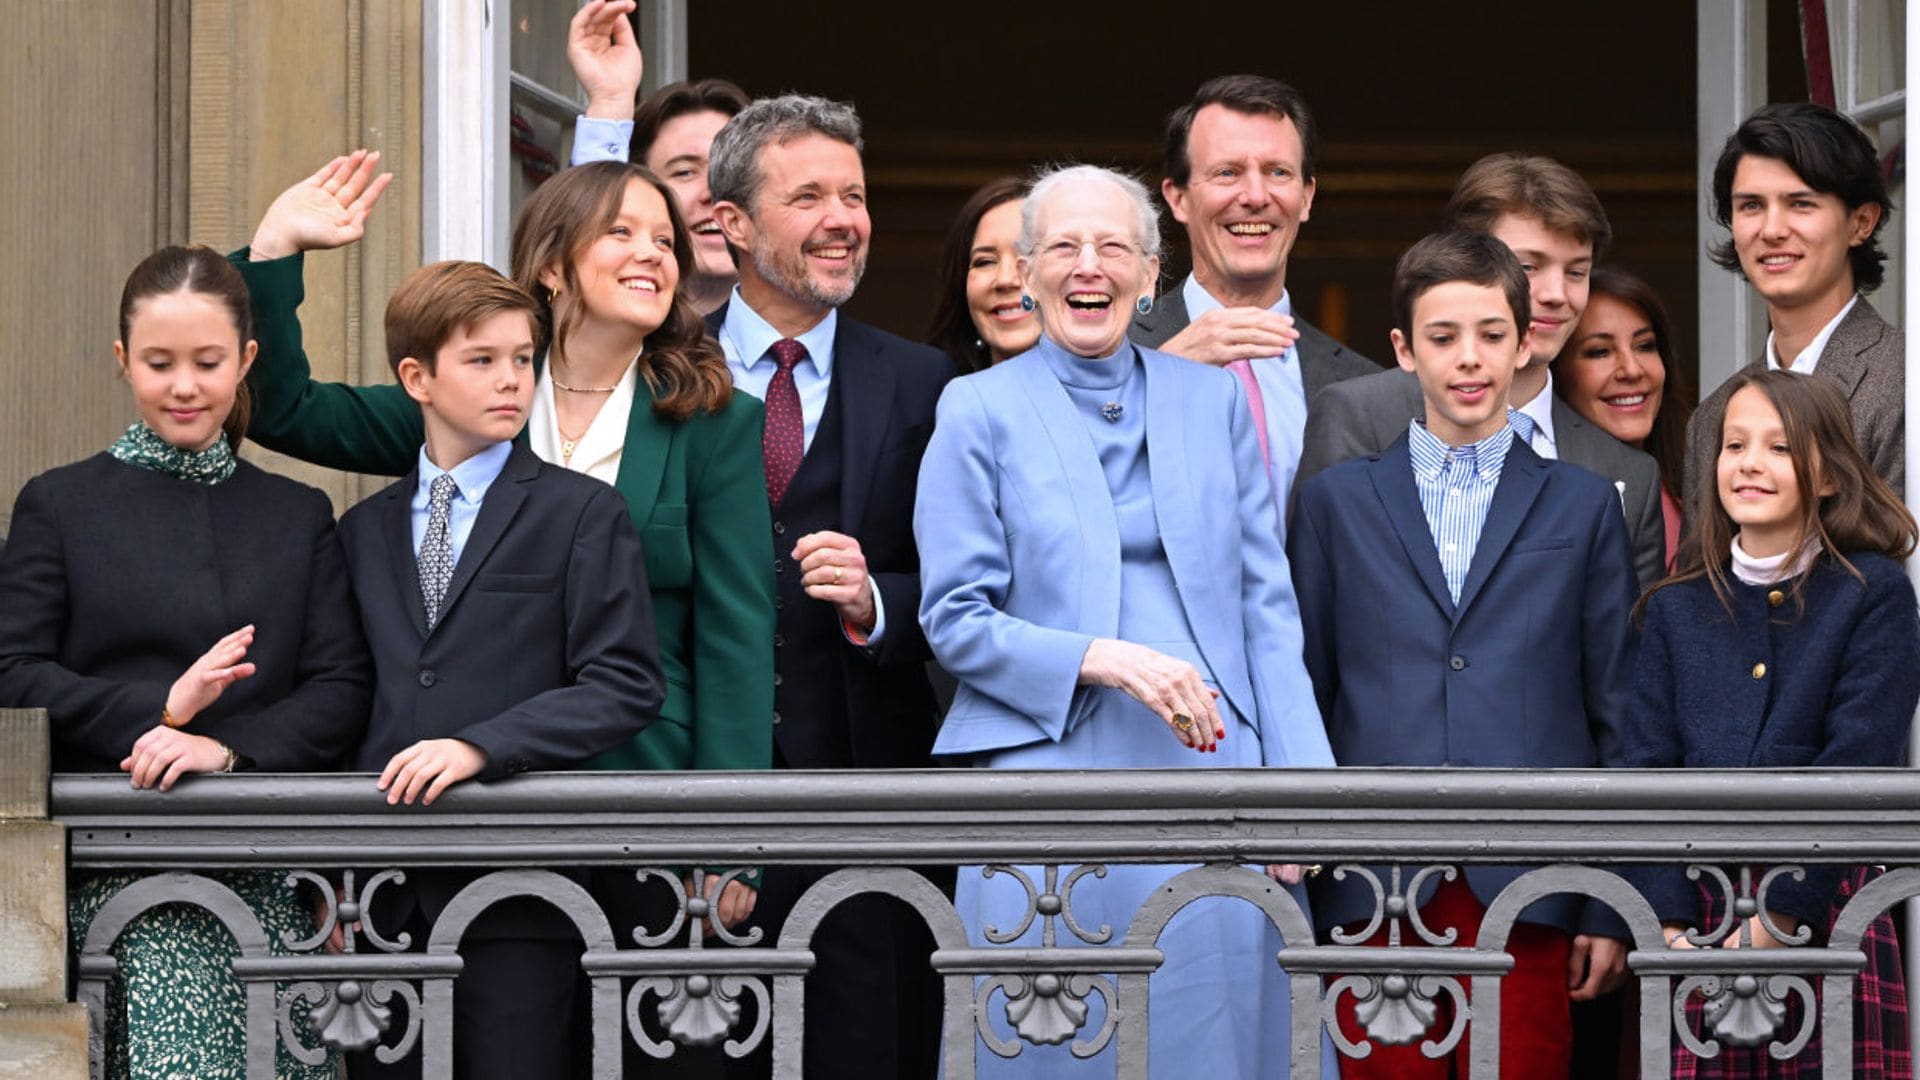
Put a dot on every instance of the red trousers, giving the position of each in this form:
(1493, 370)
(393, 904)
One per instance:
(1536, 1036)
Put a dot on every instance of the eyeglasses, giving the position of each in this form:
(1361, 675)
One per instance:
(1066, 250)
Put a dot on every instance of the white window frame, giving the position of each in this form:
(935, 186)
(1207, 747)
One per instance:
(468, 88)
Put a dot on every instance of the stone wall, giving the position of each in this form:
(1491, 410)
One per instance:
(43, 1036)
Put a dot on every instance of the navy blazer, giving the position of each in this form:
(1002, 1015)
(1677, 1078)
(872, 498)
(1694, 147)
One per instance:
(1830, 682)
(1020, 554)
(1528, 670)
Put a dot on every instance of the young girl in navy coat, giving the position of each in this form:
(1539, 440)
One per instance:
(1788, 636)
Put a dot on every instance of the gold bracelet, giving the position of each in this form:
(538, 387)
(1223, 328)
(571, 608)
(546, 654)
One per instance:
(166, 717)
(232, 758)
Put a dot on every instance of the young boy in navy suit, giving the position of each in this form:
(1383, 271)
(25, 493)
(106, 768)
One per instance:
(1465, 602)
(506, 608)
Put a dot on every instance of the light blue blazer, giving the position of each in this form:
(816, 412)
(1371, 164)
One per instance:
(1020, 555)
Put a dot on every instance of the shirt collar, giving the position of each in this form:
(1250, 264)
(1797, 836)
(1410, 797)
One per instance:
(752, 336)
(1804, 363)
(1432, 457)
(473, 476)
(1540, 411)
(1200, 301)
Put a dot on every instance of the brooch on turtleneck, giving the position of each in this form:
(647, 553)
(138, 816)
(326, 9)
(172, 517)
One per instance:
(1112, 411)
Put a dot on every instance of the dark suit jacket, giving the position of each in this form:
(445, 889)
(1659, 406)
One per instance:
(1867, 357)
(1323, 361)
(1528, 670)
(1841, 679)
(1364, 416)
(544, 653)
(886, 388)
(117, 578)
(696, 492)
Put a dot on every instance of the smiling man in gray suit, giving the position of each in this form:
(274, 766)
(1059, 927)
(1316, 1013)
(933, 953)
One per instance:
(1553, 222)
(1239, 176)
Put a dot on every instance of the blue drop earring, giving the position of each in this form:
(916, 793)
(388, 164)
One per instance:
(1026, 302)
(1143, 305)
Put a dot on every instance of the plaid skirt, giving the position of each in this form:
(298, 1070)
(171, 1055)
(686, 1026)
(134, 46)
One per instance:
(1880, 1050)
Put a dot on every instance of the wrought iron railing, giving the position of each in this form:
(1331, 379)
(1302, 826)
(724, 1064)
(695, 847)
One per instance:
(1576, 827)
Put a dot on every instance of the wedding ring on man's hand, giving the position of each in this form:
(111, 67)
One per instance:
(1182, 722)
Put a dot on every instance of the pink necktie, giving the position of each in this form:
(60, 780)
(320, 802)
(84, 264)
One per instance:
(784, 442)
(1244, 369)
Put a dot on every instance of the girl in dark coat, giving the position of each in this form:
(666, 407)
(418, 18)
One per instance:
(177, 610)
(1788, 636)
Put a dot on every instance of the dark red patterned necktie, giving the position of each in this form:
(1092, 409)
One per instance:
(785, 440)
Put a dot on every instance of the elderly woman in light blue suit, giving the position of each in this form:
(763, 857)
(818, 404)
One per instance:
(1101, 572)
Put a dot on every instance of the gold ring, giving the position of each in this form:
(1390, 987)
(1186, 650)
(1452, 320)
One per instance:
(836, 575)
(1182, 722)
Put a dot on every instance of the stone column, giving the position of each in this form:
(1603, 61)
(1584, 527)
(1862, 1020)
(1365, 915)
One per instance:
(43, 1036)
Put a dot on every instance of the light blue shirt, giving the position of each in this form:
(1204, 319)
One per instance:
(1283, 394)
(1456, 487)
(473, 477)
(595, 139)
(748, 339)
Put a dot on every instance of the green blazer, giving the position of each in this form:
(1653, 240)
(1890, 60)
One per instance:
(696, 490)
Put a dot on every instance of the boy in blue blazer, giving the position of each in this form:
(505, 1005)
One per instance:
(1465, 602)
(505, 605)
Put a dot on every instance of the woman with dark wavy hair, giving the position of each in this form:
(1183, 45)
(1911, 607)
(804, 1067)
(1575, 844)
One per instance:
(638, 399)
(1619, 370)
(979, 320)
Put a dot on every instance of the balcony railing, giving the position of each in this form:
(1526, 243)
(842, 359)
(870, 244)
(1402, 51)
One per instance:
(1576, 827)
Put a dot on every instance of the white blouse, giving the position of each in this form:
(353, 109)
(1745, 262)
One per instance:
(598, 452)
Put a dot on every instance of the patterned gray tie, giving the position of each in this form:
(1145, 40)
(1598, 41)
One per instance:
(436, 547)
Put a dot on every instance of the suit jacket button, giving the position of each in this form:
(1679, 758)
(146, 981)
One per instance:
(776, 678)
(428, 678)
(1457, 663)
(779, 527)
(1759, 671)
(1776, 598)
(778, 641)
(779, 567)
(776, 717)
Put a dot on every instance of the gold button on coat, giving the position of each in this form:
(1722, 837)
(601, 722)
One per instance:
(1759, 671)
(1776, 598)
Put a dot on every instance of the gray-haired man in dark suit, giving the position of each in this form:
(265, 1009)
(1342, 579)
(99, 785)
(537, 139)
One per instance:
(1239, 176)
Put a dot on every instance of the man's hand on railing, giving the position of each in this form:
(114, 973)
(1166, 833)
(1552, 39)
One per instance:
(1596, 965)
(428, 768)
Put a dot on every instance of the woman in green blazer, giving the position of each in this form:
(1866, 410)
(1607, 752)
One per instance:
(685, 454)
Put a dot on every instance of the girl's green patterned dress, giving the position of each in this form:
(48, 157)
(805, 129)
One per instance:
(175, 1011)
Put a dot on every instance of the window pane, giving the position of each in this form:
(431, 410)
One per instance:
(1882, 42)
(540, 43)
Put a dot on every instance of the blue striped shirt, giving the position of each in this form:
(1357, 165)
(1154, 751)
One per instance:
(1456, 485)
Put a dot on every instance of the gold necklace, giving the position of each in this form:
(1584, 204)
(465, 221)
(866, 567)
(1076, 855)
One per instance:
(568, 443)
(558, 385)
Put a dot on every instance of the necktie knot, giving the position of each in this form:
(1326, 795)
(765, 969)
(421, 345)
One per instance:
(442, 490)
(787, 352)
